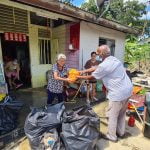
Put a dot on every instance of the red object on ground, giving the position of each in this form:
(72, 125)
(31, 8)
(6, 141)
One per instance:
(131, 121)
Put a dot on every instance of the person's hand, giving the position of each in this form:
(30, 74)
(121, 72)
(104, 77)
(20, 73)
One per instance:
(68, 80)
(81, 77)
(86, 77)
(81, 72)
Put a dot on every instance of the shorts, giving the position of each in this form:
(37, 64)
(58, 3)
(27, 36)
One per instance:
(11, 74)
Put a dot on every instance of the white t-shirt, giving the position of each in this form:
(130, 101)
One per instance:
(115, 79)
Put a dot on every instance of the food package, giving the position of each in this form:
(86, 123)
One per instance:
(73, 73)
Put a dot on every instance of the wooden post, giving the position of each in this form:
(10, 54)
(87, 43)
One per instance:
(146, 127)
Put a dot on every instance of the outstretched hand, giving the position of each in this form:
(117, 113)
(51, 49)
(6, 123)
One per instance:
(84, 77)
(81, 72)
(68, 79)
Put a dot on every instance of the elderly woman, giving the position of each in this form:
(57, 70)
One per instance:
(56, 79)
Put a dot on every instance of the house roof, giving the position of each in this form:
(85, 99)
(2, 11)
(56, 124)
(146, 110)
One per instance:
(78, 13)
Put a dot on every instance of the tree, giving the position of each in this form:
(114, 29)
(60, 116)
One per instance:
(128, 13)
(136, 52)
(90, 6)
(146, 31)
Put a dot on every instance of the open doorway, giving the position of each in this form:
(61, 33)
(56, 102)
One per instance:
(20, 51)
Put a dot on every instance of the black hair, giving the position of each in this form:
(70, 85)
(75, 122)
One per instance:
(93, 53)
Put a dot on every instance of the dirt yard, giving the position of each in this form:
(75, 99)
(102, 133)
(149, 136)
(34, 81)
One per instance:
(135, 141)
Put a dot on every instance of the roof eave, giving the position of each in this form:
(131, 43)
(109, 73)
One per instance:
(78, 13)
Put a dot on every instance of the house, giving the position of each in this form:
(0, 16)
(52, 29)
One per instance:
(35, 31)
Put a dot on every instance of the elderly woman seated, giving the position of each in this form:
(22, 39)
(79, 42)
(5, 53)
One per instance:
(56, 79)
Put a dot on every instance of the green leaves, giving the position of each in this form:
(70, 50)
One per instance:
(143, 91)
(128, 13)
(90, 6)
(136, 51)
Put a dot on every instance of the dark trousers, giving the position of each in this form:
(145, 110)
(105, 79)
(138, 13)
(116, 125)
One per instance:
(51, 97)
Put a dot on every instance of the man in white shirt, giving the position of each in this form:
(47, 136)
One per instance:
(119, 87)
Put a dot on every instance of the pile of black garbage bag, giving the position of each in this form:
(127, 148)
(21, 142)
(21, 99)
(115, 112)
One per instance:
(55, 128)
(9, 111)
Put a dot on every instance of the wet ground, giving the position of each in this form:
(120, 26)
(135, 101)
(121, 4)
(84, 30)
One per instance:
(38, 97)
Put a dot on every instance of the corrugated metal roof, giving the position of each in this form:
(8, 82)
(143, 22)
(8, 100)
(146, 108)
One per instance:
(75, 12)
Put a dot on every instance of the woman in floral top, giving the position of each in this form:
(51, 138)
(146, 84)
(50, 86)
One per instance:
(56, 79)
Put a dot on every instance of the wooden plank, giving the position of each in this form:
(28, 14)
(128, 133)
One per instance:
(146, 127)
(142, 85)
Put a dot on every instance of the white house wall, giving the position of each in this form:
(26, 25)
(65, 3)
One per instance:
(89, 40)
(38, 71)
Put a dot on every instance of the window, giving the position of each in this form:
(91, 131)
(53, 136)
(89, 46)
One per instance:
(45, 51)
(109, 42)
(39, 20)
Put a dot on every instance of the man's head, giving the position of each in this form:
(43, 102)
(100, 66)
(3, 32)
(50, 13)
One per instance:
(103, 51)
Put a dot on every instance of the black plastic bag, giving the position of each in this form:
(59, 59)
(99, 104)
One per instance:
(8, 120)
(51, 140)
(9, 109)
(12, 103)
(80, 129)
(42, 120)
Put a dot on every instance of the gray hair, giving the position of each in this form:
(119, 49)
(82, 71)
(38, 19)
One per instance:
(105, 50)
(61, 56)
